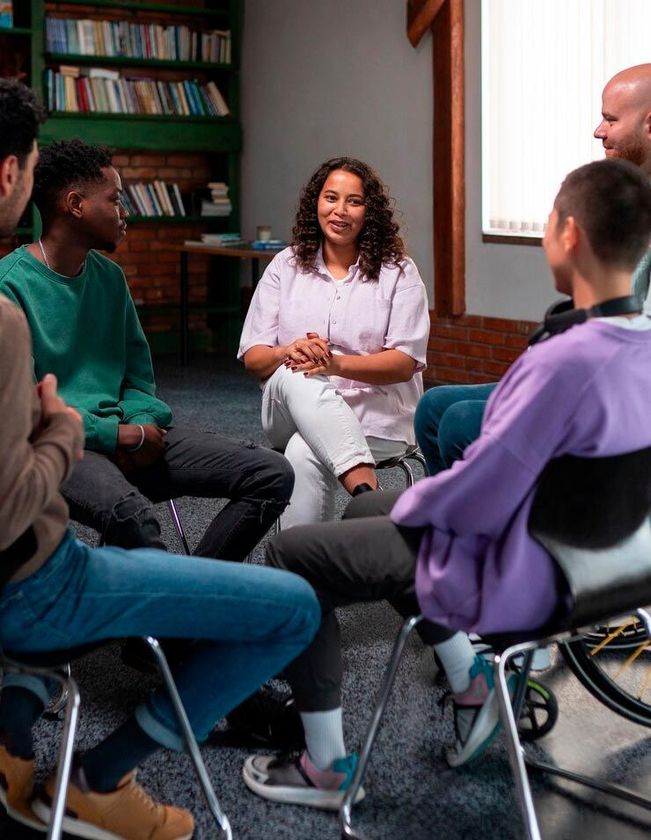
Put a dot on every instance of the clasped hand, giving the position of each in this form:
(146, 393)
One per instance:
(145, 455)
(311, 356)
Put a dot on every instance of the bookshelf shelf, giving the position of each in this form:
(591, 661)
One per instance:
(149, 132)
(166, 8)
(15, 30)
(125, 61)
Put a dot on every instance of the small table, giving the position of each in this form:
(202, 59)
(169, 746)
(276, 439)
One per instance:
(241, 253)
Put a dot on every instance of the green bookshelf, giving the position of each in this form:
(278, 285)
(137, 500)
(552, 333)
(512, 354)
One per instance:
(220, 138)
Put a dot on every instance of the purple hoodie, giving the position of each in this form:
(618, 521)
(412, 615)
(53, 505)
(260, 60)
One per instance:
(586, 392)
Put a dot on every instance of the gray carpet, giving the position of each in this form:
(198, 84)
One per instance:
(411, 793)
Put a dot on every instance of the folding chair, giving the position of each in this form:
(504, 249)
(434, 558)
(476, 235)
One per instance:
(48, 664)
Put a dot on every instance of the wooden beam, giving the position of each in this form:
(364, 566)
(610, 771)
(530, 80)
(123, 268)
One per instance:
(420, 17)
(449, 159)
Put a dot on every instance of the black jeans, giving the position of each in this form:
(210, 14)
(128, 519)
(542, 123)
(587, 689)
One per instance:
(257, 481)
(365, 557)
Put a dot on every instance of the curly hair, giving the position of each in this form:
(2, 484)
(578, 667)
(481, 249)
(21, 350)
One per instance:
(378, 242)
(20, 118)
(66, 164)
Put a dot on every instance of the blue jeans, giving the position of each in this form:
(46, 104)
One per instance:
(448, 419)
(250, 621)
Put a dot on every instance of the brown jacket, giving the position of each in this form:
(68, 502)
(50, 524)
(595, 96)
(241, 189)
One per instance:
(35, 456)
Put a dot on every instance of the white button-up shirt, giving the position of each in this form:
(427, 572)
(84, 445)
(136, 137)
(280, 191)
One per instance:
(358, 316)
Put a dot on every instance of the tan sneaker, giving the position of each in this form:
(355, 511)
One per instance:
(16, 788)
(128, 813)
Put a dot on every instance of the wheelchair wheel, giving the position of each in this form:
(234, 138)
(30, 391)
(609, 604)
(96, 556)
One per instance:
(614, 664)
(626, 632)
(539, 712)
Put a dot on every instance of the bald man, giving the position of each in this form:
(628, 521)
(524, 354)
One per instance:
(448, 418)
(625, 128)
(625, 132)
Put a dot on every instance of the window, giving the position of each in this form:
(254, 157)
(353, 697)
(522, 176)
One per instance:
(544, 65)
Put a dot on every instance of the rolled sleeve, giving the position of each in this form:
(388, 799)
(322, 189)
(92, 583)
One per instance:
(261, 323)
(408, 328)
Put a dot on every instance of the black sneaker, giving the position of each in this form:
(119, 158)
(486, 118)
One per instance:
(267, 717)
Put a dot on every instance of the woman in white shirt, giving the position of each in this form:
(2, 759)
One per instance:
(337, 333)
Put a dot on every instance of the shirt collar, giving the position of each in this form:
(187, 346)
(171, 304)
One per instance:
(320, 266)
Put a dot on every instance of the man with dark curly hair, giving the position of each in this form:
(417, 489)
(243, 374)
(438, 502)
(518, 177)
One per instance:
(85, 330)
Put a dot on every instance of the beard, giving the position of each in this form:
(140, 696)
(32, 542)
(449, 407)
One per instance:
(634, 152)
(11, 210)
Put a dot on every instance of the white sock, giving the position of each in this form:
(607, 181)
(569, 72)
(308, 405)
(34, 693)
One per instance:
(324, 737)
(457, 656)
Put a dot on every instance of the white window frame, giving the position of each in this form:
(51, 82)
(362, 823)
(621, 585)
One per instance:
(544, 65)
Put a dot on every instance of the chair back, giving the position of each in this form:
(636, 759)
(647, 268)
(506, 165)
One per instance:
(592, 516)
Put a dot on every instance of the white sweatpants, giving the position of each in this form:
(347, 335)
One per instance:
(321, 437)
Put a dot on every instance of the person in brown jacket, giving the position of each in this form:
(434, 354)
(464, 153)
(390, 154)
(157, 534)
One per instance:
(57, 593)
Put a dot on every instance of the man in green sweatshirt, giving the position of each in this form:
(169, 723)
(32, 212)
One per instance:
(86, 331)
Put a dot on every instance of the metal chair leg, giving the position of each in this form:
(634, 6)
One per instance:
(519, 760)
(515, 751)
(410, 478)
(71, 692)
(52, 711)
(176, 519)
(345, 812)
(221, 820)
(418, 456)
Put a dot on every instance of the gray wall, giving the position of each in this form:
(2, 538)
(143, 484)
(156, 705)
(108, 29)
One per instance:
(322, 78)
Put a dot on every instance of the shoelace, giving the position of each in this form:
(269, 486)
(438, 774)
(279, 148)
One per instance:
(138, 792)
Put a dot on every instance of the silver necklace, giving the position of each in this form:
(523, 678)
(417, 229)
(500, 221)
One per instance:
(43, 252)
(45, 259)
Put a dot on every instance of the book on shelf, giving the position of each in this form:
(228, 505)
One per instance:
(215, 96)
(155, 199)
(6, 15)
(268, 244)
(121, 38)
(108, 91)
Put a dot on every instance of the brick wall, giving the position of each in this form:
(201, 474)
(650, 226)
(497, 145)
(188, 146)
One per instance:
(472, 349)
(147, 255)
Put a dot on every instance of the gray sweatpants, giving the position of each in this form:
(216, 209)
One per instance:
(364, 557)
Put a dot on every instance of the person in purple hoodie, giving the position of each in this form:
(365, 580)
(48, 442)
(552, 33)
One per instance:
(456, 546)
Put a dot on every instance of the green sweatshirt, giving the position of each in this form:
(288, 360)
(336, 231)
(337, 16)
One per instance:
(86, 331)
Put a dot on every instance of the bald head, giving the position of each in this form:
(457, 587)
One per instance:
(625, 128)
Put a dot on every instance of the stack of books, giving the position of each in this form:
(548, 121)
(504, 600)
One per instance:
(219, 240)
(136, 40)
(154, 199)
(222, 239)
(98, 90)
(219, 203)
